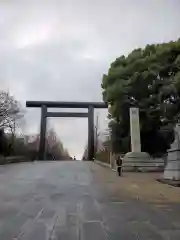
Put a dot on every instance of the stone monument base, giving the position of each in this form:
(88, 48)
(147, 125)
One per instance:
(172, 169)
(136, 162)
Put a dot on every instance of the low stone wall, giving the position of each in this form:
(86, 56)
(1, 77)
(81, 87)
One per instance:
(12, 159)
(152, 165)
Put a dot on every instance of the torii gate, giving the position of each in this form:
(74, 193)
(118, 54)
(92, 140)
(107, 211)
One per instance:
(44, 105)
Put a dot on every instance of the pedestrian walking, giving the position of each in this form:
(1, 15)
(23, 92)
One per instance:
(119, 165)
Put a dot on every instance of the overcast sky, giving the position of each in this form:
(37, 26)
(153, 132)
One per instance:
(59, 49)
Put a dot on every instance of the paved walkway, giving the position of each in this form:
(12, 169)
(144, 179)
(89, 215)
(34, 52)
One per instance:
(81, 200)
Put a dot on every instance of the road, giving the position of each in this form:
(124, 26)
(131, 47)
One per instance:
(77, 200)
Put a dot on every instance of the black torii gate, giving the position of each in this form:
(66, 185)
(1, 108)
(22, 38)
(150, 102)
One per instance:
(50, 104)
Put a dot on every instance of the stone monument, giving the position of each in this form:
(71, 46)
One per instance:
(172, 168)
(136, 158)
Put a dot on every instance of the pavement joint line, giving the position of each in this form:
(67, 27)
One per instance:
(51, 232)
(92, 221)
(20, 212)
(105, 229)
(34, 219)
(79, 230)
(116, 202)
(101, 219)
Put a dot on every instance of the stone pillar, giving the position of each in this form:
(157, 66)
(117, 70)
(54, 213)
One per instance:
(135, 159)
(91, 133)
(135, 131)
(42, 140)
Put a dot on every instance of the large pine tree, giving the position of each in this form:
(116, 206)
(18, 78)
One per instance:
(150, 79)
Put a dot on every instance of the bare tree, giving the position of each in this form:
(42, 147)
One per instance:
(10, 114)
(55, 146)
(9, 109)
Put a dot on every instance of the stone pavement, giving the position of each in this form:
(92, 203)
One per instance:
(84, 201)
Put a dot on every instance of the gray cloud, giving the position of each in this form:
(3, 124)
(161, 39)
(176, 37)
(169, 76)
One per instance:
(58, 50)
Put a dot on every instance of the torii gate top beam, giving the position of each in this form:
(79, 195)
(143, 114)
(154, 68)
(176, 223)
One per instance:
(53, 104)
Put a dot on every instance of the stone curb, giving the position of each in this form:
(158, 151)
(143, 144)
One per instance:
(104, 165)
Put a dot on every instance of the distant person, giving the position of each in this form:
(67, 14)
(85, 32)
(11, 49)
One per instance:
(119, 165)
(74, 158)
